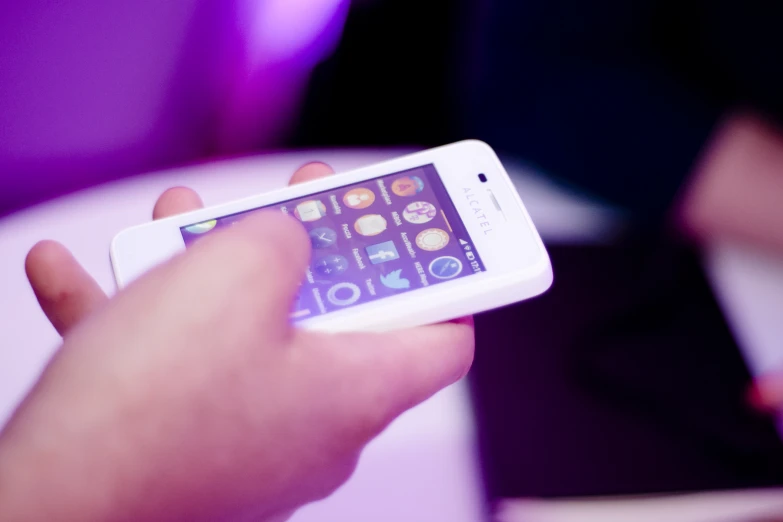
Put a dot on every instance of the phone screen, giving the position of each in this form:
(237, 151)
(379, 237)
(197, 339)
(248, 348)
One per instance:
(373, 239)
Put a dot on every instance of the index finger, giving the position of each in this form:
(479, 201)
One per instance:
(390, 373)
(176, 200)
(310, 172)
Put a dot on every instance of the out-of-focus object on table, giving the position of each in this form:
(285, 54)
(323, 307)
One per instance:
(94, 90)
(750, 290)
(729, 506)
(425, 467)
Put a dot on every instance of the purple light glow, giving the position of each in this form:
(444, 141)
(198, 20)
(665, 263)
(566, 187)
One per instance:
(282, 29)
(93, 91)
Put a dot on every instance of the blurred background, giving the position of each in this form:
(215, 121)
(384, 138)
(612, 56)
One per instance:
(628, 377)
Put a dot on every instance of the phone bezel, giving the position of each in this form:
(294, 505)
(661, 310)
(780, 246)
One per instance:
(517, 265)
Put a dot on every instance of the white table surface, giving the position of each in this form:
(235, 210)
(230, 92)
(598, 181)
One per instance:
(425, 467)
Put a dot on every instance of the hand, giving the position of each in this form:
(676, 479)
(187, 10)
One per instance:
(189, 396)
(67, 293)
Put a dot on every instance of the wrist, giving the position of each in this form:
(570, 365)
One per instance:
(55, 461)
(38, 483)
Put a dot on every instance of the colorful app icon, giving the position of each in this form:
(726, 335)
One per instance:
(419, 212)
(359, 198)
(395, 281)
(202, 228)
(370, 225)
(382, 252)
(446, 267)
(407, 186)
(343, 294)
(323, 237)
(311, 210)
(432, 239)
(330, 266)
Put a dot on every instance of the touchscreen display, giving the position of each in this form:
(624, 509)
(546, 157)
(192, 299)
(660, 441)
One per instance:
(373, 239)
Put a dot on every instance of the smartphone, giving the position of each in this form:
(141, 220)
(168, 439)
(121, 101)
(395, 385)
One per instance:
(421, 239)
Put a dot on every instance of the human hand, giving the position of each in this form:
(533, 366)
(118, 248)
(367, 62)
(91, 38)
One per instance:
(67, 293)
(190, 396)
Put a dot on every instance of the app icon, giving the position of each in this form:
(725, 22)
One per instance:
(343, 294)
(331, 266)
(419, 212)
(395, 281)
(432, 239)
(311, 210)
(446, 267)
(359, 198)
(202, 228)
(407, 186)
(370, 225)
(323, 237)
(382, 252)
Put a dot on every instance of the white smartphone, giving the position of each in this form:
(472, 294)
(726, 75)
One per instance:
(417, 240)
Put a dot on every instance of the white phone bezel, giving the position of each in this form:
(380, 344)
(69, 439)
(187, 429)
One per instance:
(517, 265)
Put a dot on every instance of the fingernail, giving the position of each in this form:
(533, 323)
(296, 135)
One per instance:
(468, 321)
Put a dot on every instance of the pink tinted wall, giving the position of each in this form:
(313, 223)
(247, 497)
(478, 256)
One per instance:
(92, 90)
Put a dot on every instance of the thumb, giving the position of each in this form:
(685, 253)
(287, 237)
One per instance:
(401, 369)
(259, 263)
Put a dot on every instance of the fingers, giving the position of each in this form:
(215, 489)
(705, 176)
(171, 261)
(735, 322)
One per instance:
(464, 320)
(177, 200)
(310, 172)
(394, 371)
(65, 291)
(280, 250)
(261, 261)
(422, 361)
(405, 367)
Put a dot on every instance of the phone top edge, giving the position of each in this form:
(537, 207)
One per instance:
(455, 164)
(332, 181)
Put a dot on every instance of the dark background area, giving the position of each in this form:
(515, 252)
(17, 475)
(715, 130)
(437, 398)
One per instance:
(624, 378)
(393, 80)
